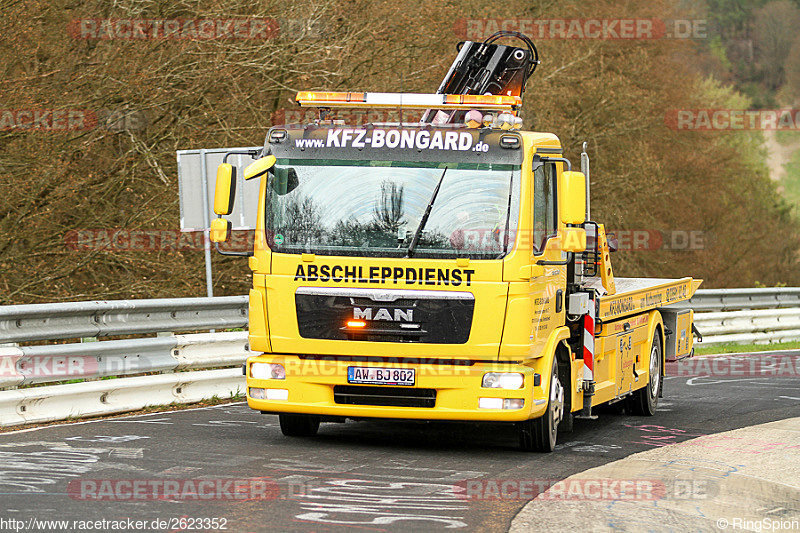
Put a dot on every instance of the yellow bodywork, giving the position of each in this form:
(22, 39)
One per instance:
(516, 328)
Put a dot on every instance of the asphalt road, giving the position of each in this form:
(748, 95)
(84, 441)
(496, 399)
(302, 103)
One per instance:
(395, 476)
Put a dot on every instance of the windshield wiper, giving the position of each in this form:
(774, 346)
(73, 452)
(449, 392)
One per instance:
(424, 219)
(508, 217)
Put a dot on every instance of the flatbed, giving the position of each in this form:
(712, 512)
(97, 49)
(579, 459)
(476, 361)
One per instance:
(639, 295)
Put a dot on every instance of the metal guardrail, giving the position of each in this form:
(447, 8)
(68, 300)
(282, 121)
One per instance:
(721, 315)
(94, 398)
(736, 299)
(26, 365)
(758, 315)
(68, 320)
(169, 356)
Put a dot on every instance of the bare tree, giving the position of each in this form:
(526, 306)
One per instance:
(793, 72)
(388, 211)
(775, 31)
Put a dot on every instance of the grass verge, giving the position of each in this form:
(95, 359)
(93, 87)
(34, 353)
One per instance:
(743, 348)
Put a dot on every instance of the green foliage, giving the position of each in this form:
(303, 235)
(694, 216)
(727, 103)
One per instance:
(791, 181)
(732, 16)
(755, 42)
(717, 49)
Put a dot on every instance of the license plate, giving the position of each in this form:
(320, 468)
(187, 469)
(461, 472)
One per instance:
(380, 376)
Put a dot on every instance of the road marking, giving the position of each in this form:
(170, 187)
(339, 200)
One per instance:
(30, 471)
(107, 438)
(127, 453)
(366, 502)
(156, 421)
(233, 423)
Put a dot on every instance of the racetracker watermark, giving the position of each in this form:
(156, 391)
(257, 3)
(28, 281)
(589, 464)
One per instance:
(144, 490)
(150, 240)
(174, 29)
(357, 117)
(56, 367)
(71, 120)
(581, 489)
(754, 366)
(733, 119)
(649, 240)
(329, 366)
(478, 29)
(619, 240)
(47, 120)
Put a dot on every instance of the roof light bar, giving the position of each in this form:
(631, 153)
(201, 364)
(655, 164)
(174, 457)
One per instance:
(409, 100)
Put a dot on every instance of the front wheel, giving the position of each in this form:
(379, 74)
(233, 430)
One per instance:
(299, 425)
(539, 434)
(645, 400)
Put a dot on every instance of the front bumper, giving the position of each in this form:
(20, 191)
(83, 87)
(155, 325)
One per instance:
(310, 384)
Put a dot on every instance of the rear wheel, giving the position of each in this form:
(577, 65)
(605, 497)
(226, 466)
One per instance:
(645, 400)
(539, 434)
(299, 425)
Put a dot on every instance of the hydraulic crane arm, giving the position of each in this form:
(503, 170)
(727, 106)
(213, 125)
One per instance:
(486, 68)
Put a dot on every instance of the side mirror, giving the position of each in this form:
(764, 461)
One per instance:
(572, 202)
(220, 230)
(259, 167)
(573, 240)
(225, 190)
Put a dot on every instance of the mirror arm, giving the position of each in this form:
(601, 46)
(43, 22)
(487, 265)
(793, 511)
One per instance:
(557, 263)
(557, 160)
(252, 153)
(234, 254)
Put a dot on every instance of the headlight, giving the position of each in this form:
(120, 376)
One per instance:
(267, 371)
(269, 394)
(502, 380)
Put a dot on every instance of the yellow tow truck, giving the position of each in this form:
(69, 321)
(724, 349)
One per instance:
(442, 270)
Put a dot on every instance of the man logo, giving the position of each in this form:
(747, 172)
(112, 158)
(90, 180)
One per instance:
(383, 314)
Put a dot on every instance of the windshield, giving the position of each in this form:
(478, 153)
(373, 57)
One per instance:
(373, 208)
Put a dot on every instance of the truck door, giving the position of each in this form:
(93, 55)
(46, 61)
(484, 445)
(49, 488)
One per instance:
(547, 291)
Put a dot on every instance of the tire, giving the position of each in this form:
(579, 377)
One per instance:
(644, 401)
(299, 425)
(540, 434)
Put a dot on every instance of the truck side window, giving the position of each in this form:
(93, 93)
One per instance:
(544, 205)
